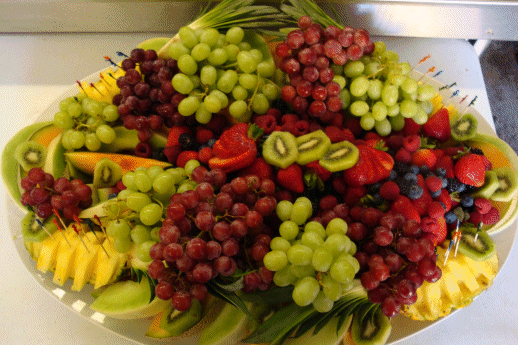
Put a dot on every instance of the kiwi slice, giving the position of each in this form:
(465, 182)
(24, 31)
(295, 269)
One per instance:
(312, 146)
(177, 322)
(30, 154)
(106, 173)
(280, 149)
(32, 230)
(340, 156)
(507, 184)
(481, 250)
(464, 127)
(371, 331)
(490, 186)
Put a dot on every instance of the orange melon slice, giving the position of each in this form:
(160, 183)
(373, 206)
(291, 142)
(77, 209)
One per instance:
(86, 161)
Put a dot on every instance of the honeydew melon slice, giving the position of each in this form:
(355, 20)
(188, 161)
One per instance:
(331, 334)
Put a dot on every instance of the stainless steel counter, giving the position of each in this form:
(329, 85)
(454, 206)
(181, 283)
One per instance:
(475, 19)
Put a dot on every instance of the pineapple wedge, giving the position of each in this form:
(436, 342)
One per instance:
(108, 268)
(48, 251)
(462, 279)
(86, 260)
(65, 257)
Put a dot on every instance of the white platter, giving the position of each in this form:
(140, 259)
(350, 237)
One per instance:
(134, 330)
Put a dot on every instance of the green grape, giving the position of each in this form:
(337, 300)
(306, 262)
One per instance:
(188, 106)
(353, 69)
(63, 121)
(312, 240)
(427, 106)
(63, 104)
(270, 91)
(365, 59)
(359, 86)
(244, 46)
(246, 61)
(379, 48)
(408, 108)
(235, 35)
(300, 213)
(123, 195)
(163, 182)
(302, 271)
(212, 104)
(372, 69)
(383, 127)
(279, 243)
(64, 140)
(342, 272)
(94, 122)
(196, 83)
(389, 95)
(142, 181)
(137, 201)
(322, 259)
(151, 214)
(359, 108)
(379, 111)
(78, 98)
(331, 288)
(187, 64)
(420, 116)
(336, 226)
(186, 185)
(104, 104)
(404, 67)
(74, 109)
(363, 98)
(409, 96)
(336, 243)
(275, 260)
(389, 56)
(106, 134)
(353, 248)
(237, 109)
(155, 234)
(94, 108)
(322, 304)
(128, 179)
(200, 52)
(122, 244)
(144, 169)
(143, 251)
(182, 83)
(300, 255)
(208, 75)
(92, 143)
(425, 92)
(337, 69)
(153, 171)
(86, 101)
(221, 41)
(393, 110)
(395, 77)
(317, 228)
(140, 234)
(257, 55)
(110, 113)
(305, 291)
(210, 36)
(223, 99)
(188, 36)
(266, 69)
(217, 57)
(76, 139)
(283, 210)
(305, 201)
(345, 97)
(190, 166)
(227, 81)
(260, 104)
(374, 90)
(367, 122)
(409, 85)
(248, 81)
(351, 260)
(284, 277)
(289, 230)
(232, 51)
(178, 174)
(203, 116)
(118, 228)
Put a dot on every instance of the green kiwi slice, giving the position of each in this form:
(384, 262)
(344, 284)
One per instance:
(30, 154)
(177, 322)
(340, 156)
(464, 127)
(371, 331)
(280, 149)
(106, 173)
(507, 184)
(32, 230)
(312, 146)
(490, 186)
(481, 250)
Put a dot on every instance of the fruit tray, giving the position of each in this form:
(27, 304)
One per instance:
(134, 330)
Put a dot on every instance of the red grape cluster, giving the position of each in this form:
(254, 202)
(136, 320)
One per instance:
(307, 55)
(147, 98)
(208, 233)
(44, 194)
(395, 257)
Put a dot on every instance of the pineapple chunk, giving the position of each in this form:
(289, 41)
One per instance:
(107, 269)
(86, 260)
(48, 251)
(65, 257)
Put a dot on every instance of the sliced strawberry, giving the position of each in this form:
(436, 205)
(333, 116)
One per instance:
(291, 178)
(438, 126)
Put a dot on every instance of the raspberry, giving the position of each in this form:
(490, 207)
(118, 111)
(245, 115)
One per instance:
(205, 154)
(301, 128)
(402, 155)
(203, 135)
(433, 183)
(436, 209)
(186, 156)
(482, 205)
(487, 163)
(412, 143)
(289, 118)
(428, 224)
(348, 135)
(395, 141)
(475, 218)
(267, 123)
(492, 217)
(389, 190)
(354, 126)
(335, 134)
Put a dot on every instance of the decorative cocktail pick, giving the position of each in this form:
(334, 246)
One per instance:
(44, 228)
(78, 221)
(469, 105)
(463, 99)
(107, 58)
(422, 60)
(479, 228)
(61, 231)
(111, 75)
(59, 217)
(455, 94)
(438, 73)
(96, 89)
(430, 70)
(89, 223)
(79, 235)
(446, 87)
(121, 54)
(102, 78)
(447, 253)
(81, 86)
(456, 237)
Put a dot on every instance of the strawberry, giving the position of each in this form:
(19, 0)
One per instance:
(445, 198)
(373, 165)
(446, 163)
(411, 127)
(424, 157)
(205, 155)
(440, 231)
(259, 168)
(175, 133)
(291, 178)
(403, 205)
(186, 156)
(471, 170)
(322, 173)
(438, 126)
(335, 134)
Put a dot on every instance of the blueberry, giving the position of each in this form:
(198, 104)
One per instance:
(414, 169)
(425, 169)
(211, 142)
(435, 194)
(444, 183)
(410, 177)
(454, 185)
(374, 188)
(415, 192)
(450, 217)
(466, 201)
(441, 172)
(112, 195)
(400, 167)
(377, 200)
(393, 175)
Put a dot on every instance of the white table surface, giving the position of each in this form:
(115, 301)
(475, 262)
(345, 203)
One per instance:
(36, 69)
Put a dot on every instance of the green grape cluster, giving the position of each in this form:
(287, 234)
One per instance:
(318, 261)
(379, 90)
(138, 210)
(85, 122)
(219, 70)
